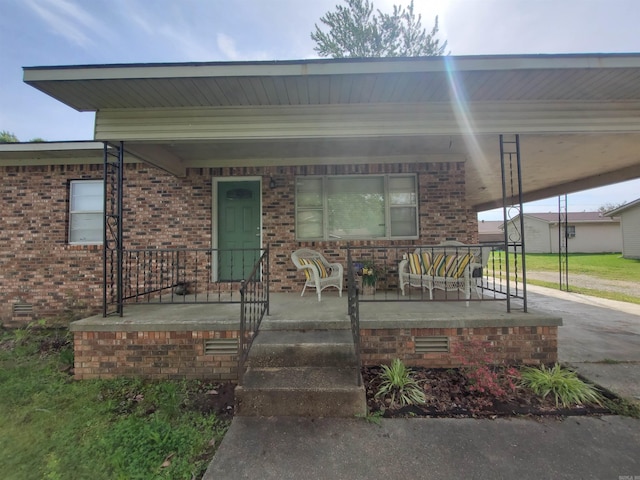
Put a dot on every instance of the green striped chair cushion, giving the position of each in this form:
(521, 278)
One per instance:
(322, 270)
(451, 266)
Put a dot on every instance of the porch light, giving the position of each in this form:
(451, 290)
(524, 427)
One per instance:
(272, 183)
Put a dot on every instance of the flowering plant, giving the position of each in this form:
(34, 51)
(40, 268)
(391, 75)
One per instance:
(370, 273)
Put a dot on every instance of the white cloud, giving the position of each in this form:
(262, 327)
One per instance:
(69, 21)
(227, 46)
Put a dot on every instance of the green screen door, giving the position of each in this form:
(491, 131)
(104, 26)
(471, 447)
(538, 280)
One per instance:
(238, 228)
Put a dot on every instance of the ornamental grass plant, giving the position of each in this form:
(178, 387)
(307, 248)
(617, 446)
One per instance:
(399, 385)
(565, 386)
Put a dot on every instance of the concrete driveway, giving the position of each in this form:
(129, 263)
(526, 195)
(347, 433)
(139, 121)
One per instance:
(599, 338)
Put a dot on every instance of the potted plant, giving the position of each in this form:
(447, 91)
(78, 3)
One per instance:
(370, 274)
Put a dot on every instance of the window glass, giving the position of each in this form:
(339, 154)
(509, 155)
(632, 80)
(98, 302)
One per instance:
(309, 192)
(372, 206)
(402, 190)
(86, 228)
(310, 224)
(87, 195)
(356, 207)
(85, 211)
(403, 222)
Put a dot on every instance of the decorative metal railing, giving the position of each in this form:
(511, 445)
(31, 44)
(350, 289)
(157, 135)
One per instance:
(513, 215)
(451, 272)
(195, 275)
(354, 311)
(112, 229)
(254, 304)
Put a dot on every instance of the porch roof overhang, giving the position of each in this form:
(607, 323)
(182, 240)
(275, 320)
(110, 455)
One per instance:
(578, 116)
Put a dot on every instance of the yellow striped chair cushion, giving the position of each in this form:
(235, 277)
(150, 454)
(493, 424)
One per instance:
(419, 263)
(439, 265)
(415, 265)
(322, 270)
(461, 264)
(427, 260)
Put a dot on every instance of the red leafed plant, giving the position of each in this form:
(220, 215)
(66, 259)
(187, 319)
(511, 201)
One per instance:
(480, 369)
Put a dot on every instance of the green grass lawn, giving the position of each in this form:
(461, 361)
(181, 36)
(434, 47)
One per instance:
(604, 265)
(608, 266)
(56, 428)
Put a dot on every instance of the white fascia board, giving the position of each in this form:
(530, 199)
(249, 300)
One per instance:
(42, 147)
(330, 67)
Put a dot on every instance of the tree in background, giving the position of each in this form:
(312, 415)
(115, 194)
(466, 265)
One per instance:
(354, 31)
(8, 137)
(607, 207)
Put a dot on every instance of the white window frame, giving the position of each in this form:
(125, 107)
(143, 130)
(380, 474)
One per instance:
(388, 208)
(72, 212)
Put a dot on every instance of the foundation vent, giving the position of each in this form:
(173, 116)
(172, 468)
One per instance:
(221, 346)
(432, 344)
(22, 308)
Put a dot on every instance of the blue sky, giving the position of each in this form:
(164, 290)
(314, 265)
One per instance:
(74, 32)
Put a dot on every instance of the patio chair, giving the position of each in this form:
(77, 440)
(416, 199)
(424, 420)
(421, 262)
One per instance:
(448, 267)
(318, 271)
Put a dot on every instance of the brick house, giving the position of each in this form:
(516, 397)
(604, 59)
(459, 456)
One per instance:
(413, 146)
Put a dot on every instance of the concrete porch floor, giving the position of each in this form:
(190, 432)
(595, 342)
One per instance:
(289, 309)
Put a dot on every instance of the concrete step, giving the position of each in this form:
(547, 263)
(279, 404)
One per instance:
(293, 348)
(301, 391)
(274, 322)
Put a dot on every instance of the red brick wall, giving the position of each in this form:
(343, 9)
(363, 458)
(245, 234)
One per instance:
(167, 354)
(38, 267)
(511, 345)
(181, 354)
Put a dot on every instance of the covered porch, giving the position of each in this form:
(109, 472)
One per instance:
(443, 138)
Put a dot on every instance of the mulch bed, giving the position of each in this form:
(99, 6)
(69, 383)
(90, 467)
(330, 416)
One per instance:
(217, 398)
(448, 395)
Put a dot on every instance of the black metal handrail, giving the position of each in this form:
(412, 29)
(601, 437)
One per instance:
(185, 275)
(354, 312)
(254, 304)
(489, 279)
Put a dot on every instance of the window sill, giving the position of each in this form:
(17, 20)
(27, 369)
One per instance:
(83, 247)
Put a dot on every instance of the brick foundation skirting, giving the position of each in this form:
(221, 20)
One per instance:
(154, 355)
(181, 354)
(512, 345)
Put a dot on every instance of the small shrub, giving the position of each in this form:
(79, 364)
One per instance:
(477, 367)
(400, 386)
(563, 384)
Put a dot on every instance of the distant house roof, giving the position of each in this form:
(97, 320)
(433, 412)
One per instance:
(490, 231)
(574, 217)
(626, 206)
(490, 226)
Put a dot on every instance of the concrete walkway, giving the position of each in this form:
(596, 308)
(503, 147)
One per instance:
(283, 448)
(600, 338)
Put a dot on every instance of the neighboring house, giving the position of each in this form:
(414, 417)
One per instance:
(630, 227)
(587, 232)
(490, 231)
(305, 153)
